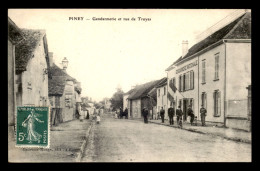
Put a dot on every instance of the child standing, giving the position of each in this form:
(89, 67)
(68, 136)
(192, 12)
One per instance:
(98, 118)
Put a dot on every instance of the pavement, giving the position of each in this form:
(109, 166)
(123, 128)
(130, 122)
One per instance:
(67, 143)
(211, 129)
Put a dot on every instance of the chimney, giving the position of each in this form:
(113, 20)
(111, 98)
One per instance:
(51, 58)
(185, 47)
(65, 64)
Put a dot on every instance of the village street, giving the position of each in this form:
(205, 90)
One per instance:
(126, 140)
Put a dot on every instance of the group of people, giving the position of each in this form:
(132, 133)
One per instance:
(179, 114)
(121, 113)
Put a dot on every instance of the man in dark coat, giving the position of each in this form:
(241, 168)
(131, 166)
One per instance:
(126, 113)
(121, 113)
(171, 115)
(191, 114)
(203, 114)
(145, 114)
(87, 115)
(162, 114)
(179, 114)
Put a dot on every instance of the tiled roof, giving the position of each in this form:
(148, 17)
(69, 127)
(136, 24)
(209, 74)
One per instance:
(162, 82)
(57, 71)
(238, 29)
(153, 93)
(57, 81)
(143, 89)
(56, 85)
(14, 32)
(24, 50)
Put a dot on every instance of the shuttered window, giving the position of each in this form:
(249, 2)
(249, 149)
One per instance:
(204, 71)
(191, 79)
(204, 100)
(216, 66)
(217, 103)
(180, 83)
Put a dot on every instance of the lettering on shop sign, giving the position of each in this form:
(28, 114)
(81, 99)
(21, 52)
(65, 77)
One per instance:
(187, 67)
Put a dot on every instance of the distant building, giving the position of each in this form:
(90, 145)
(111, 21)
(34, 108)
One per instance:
(15, 36)
(215, 73)
(162, 99)
(107, 104)
(139, 98)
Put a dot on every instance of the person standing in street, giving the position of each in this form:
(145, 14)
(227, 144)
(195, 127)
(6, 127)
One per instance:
(87, 115)
(126, 113)
(145, 115)
(191, 114)
(121, 113)
(162, 114)
(171, 115)
(179, 114)
(203, 114)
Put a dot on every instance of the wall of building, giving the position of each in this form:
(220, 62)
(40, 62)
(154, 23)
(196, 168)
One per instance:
(136, 108)
(34, 81)
(211, 84)
(187, 94)
(238, 70)
(238, 77)
(162, 100)
(125, 101)
(11, 91)
(69, 109)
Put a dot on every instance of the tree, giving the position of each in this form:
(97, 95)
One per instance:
(117, 99)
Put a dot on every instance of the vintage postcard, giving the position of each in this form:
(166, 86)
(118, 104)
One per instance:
(129, 85)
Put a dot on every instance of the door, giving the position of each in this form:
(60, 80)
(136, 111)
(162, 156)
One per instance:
(185, 106)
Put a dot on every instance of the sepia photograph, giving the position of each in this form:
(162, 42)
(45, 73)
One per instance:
(129, 85)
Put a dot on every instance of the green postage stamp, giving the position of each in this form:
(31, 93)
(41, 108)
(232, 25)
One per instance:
(32, 127)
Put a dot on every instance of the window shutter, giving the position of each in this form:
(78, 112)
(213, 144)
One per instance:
(219, 104)
(214, 100)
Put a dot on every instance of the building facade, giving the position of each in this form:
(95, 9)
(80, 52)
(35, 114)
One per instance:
(14, 37)
(32, 63)
(162, 98)
(215, 73)
(64, 94)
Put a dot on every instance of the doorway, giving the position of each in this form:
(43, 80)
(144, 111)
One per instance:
(185, 106)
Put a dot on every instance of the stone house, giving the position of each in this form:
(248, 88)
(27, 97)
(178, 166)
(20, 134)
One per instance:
(32, 64)
(215, 73)
(139, 98)
(64, 94)
(15, 36)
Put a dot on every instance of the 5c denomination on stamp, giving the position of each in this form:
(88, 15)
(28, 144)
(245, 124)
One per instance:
(32, 127)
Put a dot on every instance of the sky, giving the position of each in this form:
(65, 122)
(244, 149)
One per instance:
(103, 55)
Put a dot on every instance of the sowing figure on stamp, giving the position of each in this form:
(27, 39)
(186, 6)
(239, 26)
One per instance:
(32, 135)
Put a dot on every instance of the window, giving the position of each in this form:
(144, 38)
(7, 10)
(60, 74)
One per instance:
(183, 82)
(158, 92)
(216, 66)
(68, 100)
(180, 83)
(204, 100)
(204, 71)
(187, 80)
(191, 79)
(217, 104)
(164, 90)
